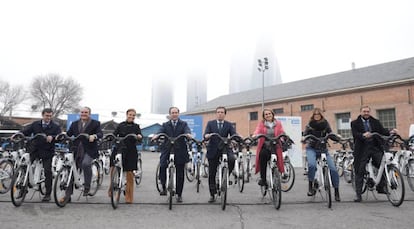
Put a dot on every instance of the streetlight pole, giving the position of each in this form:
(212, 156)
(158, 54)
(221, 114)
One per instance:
(263, 65)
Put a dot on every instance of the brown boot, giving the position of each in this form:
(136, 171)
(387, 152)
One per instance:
(129, 189)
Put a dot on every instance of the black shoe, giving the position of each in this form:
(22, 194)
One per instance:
(311, 190)
(46, 198)
(212, 199)
(86, 192)
(262, 182)
(230, 182)
(337, 198)
(358, 198)
(179, 199)
(381, 189)
(163, 192)
(21, 192)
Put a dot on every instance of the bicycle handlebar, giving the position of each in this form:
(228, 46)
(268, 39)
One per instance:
(162, 136)
(332, 136)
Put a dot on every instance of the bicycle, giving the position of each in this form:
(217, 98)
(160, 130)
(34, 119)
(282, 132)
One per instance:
(171, 171)
(222, 177)
(406, 161)
(195, 164)
(138, 172)
(239, 170)
(11, 152)
(105, 150)
(322, 181)
(272, 171)
(69, 175)
(28, 174)
(247, 142)
(288, 179)
(118, 181)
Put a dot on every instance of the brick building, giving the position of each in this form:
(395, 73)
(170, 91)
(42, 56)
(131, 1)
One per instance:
(387, 88)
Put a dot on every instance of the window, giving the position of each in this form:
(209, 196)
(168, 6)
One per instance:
(254, 115)
(387, 118)
(343, 124)
(307, 107)
(278, 111)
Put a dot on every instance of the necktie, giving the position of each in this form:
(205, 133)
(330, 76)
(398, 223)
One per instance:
(174, 124)
(220, 125)
(44, 125)
(366, 125)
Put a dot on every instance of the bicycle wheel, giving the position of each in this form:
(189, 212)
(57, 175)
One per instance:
(224, 188)
(248, 172)
(116, 187)
(327, 187)
(205, 165)
(240, 178)
(170, 187)
(339, 167)
(60, 185)
(409, 169)
(348, 170)
(157, 178)
(6, 176)
(19, 186)
(101, 172)
(95, 179)
(198, 174)
(190, 171)
(289, 179)
(276, 188)
(138, 172)
(395, 187)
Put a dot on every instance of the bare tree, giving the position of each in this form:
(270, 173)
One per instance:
(52, 90)
(10, 97)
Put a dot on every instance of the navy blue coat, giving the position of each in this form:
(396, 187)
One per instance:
(180, 150)
(213, 145)
(41, 148)
(93, 127)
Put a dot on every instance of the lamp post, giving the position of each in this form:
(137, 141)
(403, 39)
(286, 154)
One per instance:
(263, 65)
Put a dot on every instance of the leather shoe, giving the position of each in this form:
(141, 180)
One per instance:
(86, 192)
(46, 198)
(212, 199)
(179, 199)
(358, 198)
(381, 189)
(337, 198)
(163, 192)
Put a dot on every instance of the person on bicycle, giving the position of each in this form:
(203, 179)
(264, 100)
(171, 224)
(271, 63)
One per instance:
(319, 127)
(271, 127)
(174, 127)
(214, 147)
(86, 149)
(44, 149)
(365, 147)
(130, 152)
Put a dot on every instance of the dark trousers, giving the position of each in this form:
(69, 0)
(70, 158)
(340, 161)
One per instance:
(179, 176)
(360, 163)
(212, 171)
(86, 165)
(264, 158)
(47, 167)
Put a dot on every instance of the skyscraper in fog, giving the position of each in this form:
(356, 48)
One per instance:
(243, 72)
(196, 89)
(162, 95)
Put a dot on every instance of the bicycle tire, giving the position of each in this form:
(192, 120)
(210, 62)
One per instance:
(138, 175)
(18, 186)
(205, 166)
(240, 178)
(101, 172)
(290, 180)
(94, 186)
(248, 172)
(170, 187)
(7, 169)
(60, 185)
(198, 175)
(348, 171)
(276, 189)
(327, 187)
(116, 187)
(396, 183)
(410, 173)
(190, 173)
(224, 188)
(157, 178)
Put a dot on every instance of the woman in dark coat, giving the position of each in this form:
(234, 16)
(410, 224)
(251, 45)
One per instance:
(129, 150)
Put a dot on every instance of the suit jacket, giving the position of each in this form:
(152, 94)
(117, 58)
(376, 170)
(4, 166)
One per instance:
(41, 148)
(92, 127)
(213, 145)
(180, 146)
(358, 129)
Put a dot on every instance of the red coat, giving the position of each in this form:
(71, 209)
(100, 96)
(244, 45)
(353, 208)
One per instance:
(261, 129)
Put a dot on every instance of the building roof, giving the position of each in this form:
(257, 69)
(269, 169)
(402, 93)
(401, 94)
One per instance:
(391, 73)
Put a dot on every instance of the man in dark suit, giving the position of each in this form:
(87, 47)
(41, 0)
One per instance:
(44, 149)
(367, 147)
(173, 128)
(87, 149)
(225, 129)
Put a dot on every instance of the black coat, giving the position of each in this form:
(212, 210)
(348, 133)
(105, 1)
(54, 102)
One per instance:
(358, 130)
(213, 145)
(180, 149)
(41, 148)
(92, 127)
(128, 147)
